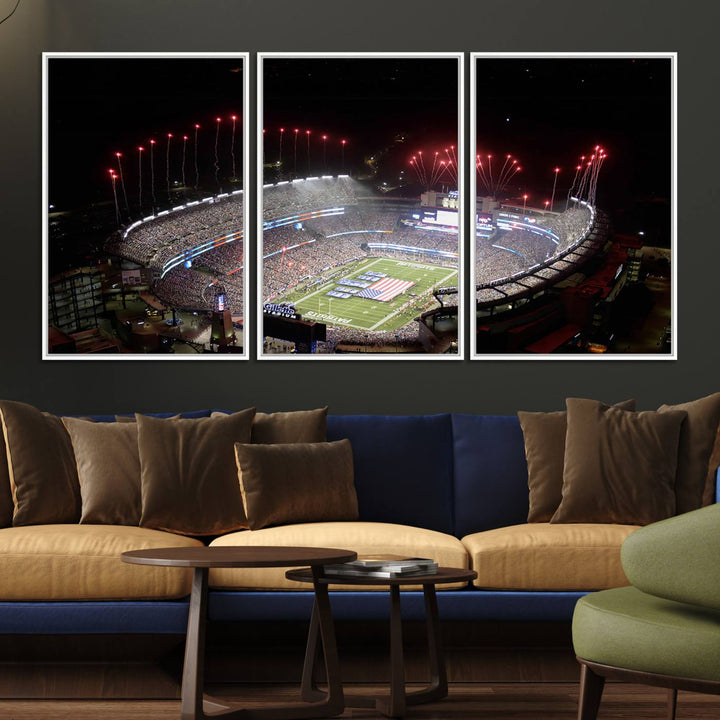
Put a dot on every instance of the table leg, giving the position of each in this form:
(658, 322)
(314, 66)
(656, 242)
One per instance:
(438, 687)
(193, 669)
(395, 705)
(195, 707)
(309, 688)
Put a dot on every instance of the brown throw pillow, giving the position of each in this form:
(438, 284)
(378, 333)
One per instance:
(108, 466)
(697, 438)
(41, 466)
(619, 466)
(297, 483)
(297, 426)
(544, 435)
(188, 475)
(131, 418)
(6, 501)
(710, 491)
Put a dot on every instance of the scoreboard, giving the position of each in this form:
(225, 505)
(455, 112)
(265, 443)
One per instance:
(436, 216)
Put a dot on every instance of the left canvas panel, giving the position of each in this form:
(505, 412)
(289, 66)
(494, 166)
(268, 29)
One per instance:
(145, 161)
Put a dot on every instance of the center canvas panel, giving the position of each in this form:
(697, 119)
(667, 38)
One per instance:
(361, 206)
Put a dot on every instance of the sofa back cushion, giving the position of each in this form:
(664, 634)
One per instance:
(403, 467)
(491, 480)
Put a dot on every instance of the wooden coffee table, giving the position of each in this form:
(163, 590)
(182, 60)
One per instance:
(395, 704)
(193, 705)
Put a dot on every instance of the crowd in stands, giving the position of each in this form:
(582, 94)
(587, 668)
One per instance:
(168, 235)
(493, 271)
(570, 226)
(404, 337)
(155, 242)
(302, 195)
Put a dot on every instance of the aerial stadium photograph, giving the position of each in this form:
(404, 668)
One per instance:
(145, 163)
(573, 250)
(361, 206)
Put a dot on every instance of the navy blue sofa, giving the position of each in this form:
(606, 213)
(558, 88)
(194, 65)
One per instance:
(453, 473)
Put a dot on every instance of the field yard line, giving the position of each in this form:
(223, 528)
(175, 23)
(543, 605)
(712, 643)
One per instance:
(447, 277)
(395, 312)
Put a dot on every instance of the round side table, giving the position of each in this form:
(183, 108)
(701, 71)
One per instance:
(395, 704)
(193, 705)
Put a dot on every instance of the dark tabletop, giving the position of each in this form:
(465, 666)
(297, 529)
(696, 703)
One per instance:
(238, 557)
(443, 575)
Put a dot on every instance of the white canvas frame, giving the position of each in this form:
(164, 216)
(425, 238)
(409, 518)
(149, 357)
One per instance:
(247, 190)
(462, 210)
(474, 355)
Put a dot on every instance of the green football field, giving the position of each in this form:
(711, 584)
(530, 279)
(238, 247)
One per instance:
(364, 313)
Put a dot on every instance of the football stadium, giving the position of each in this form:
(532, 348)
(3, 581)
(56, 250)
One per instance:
(358, 272)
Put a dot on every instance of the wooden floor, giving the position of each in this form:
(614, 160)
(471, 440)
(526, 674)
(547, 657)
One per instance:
(477, 701)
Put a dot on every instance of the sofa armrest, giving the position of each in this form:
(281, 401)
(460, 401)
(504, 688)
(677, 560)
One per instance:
(677, 558)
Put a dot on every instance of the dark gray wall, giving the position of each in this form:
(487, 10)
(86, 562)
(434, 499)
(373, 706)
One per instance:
(689, 27)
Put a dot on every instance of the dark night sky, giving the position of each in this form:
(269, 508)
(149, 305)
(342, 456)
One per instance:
(368, 101)
(100, 106)
(549, 112)
(546, 112)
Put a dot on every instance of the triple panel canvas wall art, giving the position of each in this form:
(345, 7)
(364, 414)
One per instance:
(358, 235)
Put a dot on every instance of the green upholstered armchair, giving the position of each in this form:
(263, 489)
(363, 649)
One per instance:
(664, 629)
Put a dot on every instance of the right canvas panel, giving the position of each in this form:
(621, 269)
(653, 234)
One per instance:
(573, 244)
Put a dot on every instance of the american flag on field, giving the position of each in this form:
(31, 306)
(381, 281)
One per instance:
(386, 289)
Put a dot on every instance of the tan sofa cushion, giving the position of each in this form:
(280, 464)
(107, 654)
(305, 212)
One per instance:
(82, 562)
(544, 556)
(365, 538)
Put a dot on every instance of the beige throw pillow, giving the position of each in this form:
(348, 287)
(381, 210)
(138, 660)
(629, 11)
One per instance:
(697, 438)
(108, 466)
(6, 500)
(297, 483)
(41, 466)
(188, 474)
(296, 426)
(544, 435)
(620, 466)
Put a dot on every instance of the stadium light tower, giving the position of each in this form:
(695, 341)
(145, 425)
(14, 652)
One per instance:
(552, 199)
(182, 167)
(113, 178)
(324, 139)
(307, 135)
(525, 198)
(195, 150)
(167, 164)
(232, 145)
(342, 154)
(296, 131)
(152, 174)
(282, 132)
(141, 150)
(118, 155)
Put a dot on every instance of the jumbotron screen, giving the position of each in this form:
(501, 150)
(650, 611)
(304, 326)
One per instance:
(433, 216)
